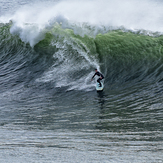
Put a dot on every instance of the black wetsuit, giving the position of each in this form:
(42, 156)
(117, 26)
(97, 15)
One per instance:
(101, 77)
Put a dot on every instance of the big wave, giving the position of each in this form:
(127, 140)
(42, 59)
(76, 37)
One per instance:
(71, 38)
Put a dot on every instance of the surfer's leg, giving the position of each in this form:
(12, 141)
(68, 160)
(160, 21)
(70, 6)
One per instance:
(99, 82)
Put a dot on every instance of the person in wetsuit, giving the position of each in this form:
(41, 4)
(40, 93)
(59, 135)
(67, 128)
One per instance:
(99, 79)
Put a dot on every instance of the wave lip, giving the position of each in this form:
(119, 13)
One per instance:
(31, 26)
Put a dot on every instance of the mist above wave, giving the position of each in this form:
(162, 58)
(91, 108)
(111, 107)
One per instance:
(31, 22)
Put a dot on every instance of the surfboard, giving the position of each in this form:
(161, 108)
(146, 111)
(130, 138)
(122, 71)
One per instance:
(98, 88)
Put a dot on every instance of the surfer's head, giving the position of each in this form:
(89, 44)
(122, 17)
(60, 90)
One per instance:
(96, 69)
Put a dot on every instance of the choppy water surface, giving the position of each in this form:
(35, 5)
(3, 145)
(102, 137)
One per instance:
(49, 108)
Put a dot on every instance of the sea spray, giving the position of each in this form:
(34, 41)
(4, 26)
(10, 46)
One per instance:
(85, 17)
(74, 60)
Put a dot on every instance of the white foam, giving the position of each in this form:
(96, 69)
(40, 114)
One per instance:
(67, 63)
(31, 21)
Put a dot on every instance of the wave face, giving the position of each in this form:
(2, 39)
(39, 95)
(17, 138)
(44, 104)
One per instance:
(68, 59)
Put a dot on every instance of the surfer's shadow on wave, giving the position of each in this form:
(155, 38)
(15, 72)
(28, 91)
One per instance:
(101, 99)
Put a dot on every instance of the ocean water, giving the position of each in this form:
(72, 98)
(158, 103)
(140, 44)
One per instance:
(49, 108)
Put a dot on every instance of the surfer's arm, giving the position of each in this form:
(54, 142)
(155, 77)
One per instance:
(93, 76)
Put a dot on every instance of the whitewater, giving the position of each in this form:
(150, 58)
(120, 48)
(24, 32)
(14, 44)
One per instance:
(49, 108)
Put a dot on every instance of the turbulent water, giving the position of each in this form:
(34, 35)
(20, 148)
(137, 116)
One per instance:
(49, 108)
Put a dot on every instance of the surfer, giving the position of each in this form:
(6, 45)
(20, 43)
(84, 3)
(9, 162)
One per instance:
(99, 79)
